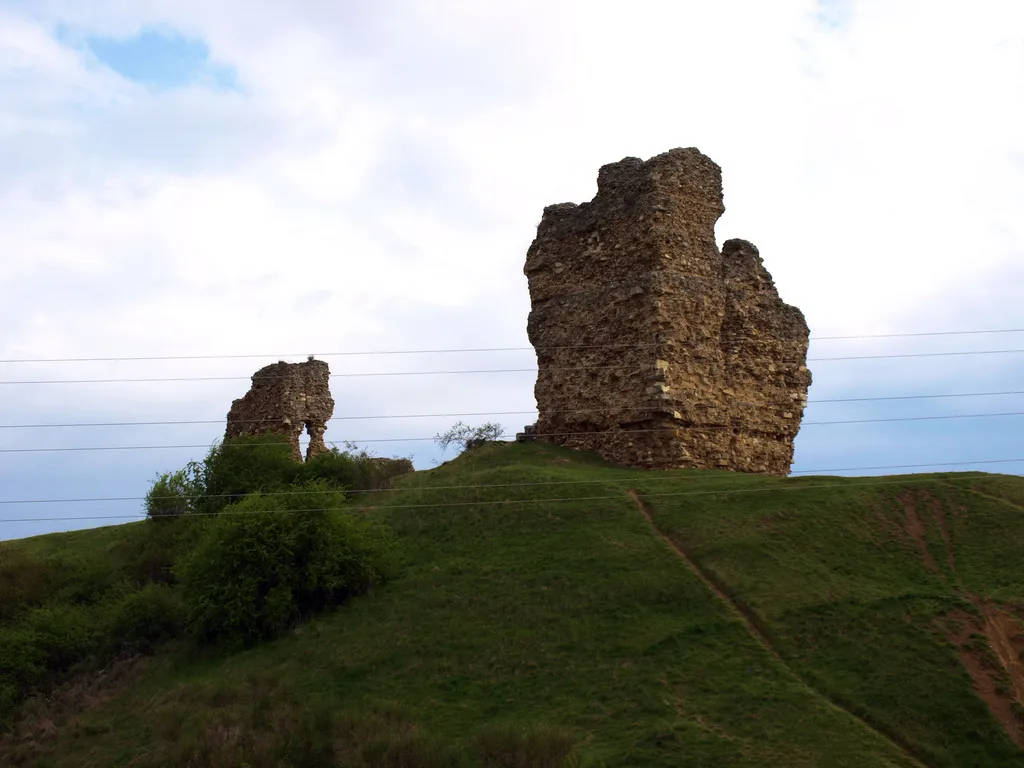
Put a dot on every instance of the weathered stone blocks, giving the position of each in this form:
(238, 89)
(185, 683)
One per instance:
(654, 348)
(284, 399)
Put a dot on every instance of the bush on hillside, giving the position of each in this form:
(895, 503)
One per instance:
(268, 561)
(22, 662)
(468, 437)
(84, 578)
(262, 463)
(66, 633)
(143, 618)
(354, 469)
(24, 583)
(147, 553)
(174, 494)
(243, 465)
(22, 667)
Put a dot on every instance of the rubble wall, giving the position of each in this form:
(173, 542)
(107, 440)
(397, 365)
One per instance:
(654, 348)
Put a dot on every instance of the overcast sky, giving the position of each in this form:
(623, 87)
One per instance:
(186, 177)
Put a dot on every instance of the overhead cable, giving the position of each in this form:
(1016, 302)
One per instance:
(368, 353)
(179, 422)
(37, 382)
(697, 427)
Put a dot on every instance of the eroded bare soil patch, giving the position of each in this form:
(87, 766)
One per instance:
(915, 527)
(990, 648)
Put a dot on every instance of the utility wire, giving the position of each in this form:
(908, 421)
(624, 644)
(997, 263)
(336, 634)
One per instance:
(697, 427)
(431, 488)
(481, 413)
(502, 502)
(152, 358)
(490, 370)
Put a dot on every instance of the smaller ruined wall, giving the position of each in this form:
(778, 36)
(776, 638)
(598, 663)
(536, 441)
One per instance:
(284, 399)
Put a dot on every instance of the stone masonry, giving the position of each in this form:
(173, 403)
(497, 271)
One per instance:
(654, 348)
(284, 399)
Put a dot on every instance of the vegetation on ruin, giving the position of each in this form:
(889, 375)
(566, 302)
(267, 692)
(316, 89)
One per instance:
(631, 619)
(465, 436)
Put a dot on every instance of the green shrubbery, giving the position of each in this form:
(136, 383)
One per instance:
(262, 463)
(242, 466)
(237, 548)
(145, 617)
(352, 469)
(269, 561)
(174, 493)
(24, 583)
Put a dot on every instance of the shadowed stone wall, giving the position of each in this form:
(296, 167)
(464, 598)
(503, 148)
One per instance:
(654, 348)
(284, 399)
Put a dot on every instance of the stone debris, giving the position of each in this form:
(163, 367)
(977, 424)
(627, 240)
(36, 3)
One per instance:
(654, 348)
(284, 399)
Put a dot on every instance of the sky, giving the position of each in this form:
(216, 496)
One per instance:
(275, 180)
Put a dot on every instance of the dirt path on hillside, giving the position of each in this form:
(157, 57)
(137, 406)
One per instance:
(916, 530)
(988, 671)
(1002, 631)
(757, 631)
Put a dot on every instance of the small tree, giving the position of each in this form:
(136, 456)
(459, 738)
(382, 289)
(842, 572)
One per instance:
(174, 494)
(267, 562)
(468, 437)
(246, 464)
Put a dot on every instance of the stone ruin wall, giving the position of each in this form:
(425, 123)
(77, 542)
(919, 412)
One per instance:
(284, 399)
(709, 369)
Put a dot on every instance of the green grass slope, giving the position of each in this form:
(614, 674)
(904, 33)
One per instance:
(654, 619)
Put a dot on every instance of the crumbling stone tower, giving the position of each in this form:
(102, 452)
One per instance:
(655, 349)
(284, 399)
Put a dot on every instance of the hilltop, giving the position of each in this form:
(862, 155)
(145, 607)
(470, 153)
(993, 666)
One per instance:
(687, 617)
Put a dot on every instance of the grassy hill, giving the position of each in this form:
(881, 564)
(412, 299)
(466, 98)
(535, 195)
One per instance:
(545, 599)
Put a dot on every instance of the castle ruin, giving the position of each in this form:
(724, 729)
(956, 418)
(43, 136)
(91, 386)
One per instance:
(284, 399)
(654, 348)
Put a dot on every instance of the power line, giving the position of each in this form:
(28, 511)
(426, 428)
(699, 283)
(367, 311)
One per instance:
(503, 502)
(697, 427)
(154, 358)
(481, 413)
(431, 488)
(488, 370)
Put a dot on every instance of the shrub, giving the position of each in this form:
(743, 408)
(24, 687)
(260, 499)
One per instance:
(148, 552)
(22, 662)
(262, 463)
(468, 437)
(354, 469)
(45, 640)
(147, 616)
(24, 583)
(83, 579)
(244, 465)
(66, 633)
(174, 494)
(268, 561)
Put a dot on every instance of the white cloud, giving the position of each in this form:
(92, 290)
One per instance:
(376, 182)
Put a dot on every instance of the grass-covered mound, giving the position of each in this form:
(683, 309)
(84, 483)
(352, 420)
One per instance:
(228, 556)
(547, 609)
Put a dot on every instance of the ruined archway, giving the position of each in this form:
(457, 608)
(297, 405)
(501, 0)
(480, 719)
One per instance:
(285, 399)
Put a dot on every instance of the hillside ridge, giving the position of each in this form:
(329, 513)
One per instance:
(805, 628)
